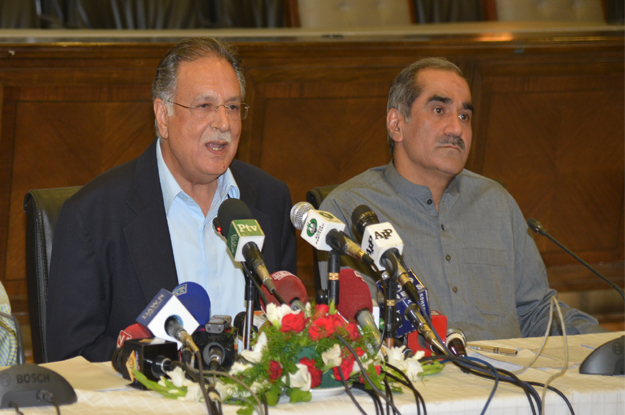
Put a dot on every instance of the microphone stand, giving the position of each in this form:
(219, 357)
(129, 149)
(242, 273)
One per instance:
(334, 268)
(250, 298)
(390, 321)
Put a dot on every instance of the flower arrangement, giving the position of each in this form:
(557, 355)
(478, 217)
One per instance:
(295, 352)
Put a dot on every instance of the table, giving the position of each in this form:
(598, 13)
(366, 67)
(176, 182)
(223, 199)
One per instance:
(450, 392)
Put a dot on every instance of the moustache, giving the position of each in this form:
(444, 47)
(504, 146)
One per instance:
(451, 139)
(221, 136)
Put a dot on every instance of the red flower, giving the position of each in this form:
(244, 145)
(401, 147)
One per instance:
(293, 322)
(352, 331)
(315, 373)
(321, 328)
(275, 370)
(321, 310)
(346, 368)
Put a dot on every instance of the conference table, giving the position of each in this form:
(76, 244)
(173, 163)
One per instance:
(449, 392)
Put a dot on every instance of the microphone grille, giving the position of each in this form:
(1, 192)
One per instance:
(299, 211)
(362, 217)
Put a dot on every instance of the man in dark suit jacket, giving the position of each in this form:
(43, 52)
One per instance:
(112, 247)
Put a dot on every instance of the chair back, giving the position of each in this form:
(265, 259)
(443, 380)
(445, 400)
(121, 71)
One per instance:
(348, 13)
(42, 208)
(544, 10)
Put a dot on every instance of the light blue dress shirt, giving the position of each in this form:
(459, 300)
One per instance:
(200, 253)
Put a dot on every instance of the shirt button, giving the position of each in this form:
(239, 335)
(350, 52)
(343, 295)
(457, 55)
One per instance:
(455, 289)
(429, 202)
(448, 257)
(442, 227)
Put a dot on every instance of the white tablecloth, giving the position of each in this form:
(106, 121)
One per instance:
(450, 392)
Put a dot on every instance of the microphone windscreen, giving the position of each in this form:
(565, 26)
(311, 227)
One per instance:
(288, 286)
(299, 211)
(354, 294)
(195, 298)
(134, 331)
(362, 217)
(232, 209)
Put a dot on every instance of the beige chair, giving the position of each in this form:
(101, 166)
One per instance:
(348, 13)
(544, 10)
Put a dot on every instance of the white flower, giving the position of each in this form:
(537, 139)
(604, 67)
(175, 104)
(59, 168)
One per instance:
(177, 377)
(256, 354)
(411, 366)
(332, 356)
(276, 313)
(301, 379)
(194, 393)
(308, 310)
(257, 387)
(238, 367)
(414, 368)
(225, 390)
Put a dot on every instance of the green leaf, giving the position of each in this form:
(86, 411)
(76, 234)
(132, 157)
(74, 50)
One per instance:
(273, 396)
(246, 410)
(297, 395)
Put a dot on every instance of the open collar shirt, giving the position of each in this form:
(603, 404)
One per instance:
(200, 253)
(475, 255)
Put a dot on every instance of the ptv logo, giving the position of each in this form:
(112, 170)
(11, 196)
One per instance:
(246, 228)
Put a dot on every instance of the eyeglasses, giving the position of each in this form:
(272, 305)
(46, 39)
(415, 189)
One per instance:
(203, 111)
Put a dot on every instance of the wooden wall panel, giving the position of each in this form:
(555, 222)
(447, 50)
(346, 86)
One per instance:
(67, 142)
(549, 124)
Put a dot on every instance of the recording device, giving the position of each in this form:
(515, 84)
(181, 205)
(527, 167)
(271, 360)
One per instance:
(134, 331)
(608, 359)
(27, 384)
(168, 319)
(325, 232)
(195, 299)
(151, 357)
(216, 343)
(244, 238)
(355, 302)
(290, 288)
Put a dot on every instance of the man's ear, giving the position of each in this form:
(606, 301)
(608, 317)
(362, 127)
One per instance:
(162, 117)
(395, 125)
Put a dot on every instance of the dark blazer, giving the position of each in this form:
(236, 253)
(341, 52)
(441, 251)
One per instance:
(112, 252)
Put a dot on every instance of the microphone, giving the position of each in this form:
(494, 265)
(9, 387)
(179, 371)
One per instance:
(456, 342)
(413, 314)
(195, 299)
(325, 232)
(607, 359)
(539, 229)
(290, 288)
(245, 238)
(134, 331)
(152, 357)
(385, 246)
(355, 301)
(168, 319)
(28, 384)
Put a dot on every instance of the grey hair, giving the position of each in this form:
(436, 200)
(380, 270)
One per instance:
(405, 89)
(188, 50)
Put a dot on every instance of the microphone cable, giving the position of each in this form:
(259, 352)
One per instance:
(365, 375)
(408, 383)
